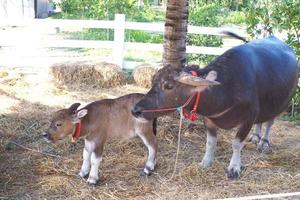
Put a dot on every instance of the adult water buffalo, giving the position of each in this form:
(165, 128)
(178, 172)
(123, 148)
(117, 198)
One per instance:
(257, 81)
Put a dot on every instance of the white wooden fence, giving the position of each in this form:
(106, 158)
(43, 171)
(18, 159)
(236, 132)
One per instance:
(119, 25)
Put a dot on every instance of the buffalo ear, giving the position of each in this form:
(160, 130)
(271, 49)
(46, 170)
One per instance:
(73, 108)
(195, 81)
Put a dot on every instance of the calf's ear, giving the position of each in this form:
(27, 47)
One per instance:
(198, 82)
(73, 108)
(82, 113)
(79, 115)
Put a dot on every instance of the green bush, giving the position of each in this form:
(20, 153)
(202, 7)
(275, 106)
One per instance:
(90, 34)
(103, 9)
(267, 17)
(142, 36)
(206, 15)
(235, 17)
(206, 41)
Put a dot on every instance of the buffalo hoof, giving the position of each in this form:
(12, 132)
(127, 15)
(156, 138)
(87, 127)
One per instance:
(264, 146)
(92, 181)
(254, 139)
(233, 173)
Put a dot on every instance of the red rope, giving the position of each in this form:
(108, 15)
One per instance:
(188, 115)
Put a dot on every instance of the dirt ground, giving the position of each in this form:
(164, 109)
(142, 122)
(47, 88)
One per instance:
(30, 168)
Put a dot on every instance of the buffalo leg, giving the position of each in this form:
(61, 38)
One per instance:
(211, 142)
(234, 168)
(264, 143)
(256, 135)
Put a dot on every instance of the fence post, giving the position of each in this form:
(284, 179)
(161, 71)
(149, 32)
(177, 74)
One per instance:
(119, 36)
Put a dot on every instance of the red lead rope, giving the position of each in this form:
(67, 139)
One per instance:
(193, 114)
(188, 115)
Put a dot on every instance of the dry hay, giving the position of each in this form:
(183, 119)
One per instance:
(100, 75)
(3, 73)
(33, 169)
(143, 74)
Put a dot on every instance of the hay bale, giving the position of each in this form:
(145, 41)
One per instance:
(3, 73)
(85, 73)
(144, 73)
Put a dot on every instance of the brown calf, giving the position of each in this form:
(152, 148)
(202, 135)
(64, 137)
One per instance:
(101, 121)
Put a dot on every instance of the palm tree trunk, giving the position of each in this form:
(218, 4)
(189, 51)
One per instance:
(175, 33)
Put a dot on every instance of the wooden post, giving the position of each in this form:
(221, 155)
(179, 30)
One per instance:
(119, 36)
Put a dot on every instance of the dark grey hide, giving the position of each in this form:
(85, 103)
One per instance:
(257, 81)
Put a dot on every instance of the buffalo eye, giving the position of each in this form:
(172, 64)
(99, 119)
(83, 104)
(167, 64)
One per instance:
(168, 86)
(58, 124)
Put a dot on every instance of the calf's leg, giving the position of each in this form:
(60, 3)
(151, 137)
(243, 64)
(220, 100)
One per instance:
(150, 141)
(211, 142)
(92, 157)
(86, 164)
(95, 163)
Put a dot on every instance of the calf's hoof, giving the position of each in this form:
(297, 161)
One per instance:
(146, 171)
(92, 181)
(206, 163)
(83, 175)
(264, 146)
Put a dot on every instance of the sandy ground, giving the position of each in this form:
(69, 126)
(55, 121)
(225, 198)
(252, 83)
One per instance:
(33, 169)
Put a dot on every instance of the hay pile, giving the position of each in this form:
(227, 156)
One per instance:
(144, 73)
(3, 73)
(34, 169)
(83, 73)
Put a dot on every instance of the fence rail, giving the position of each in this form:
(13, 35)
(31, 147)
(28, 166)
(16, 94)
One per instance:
(119, 25)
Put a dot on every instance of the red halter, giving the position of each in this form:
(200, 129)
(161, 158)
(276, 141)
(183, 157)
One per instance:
(192, 115)
(76, 134)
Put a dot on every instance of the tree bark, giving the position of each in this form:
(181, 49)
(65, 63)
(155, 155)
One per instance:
(175, 33)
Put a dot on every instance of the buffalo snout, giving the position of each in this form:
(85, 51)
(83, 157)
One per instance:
(136, 111)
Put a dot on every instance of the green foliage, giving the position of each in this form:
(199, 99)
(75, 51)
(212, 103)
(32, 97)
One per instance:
(295, 104)
(106, 10)
(207, 41)
(142, 36)
(206, 15)
(235, 17)
(231, 5)
(146, 14)
(201, 13)
(96, 9)
(90, 34)
(265, 17)
(287, 16)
